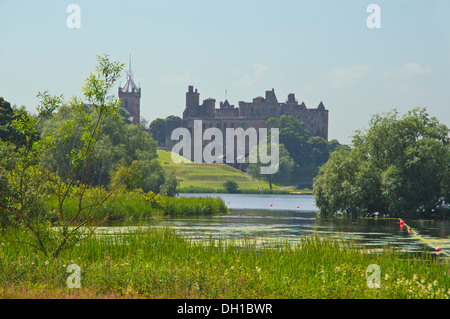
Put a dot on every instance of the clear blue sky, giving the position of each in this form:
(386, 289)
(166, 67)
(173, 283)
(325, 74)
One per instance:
(319, 50)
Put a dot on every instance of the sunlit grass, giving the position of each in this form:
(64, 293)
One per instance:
(209, 177)
(158, 263)
(135, 205)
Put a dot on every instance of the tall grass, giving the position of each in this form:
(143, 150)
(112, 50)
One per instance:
(193, 205)
(132, 205)
(158, 263)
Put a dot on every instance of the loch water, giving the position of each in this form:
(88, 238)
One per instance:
(267, 218)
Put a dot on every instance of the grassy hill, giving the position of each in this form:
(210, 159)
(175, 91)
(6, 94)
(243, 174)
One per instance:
(208, 177)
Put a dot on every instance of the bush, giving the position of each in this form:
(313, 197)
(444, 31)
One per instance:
(231, 186)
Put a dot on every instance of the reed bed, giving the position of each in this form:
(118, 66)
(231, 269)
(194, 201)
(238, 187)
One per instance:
(159, 263)
(136, 205)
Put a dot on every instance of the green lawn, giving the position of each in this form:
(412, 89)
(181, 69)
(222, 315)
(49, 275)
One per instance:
(204, 175)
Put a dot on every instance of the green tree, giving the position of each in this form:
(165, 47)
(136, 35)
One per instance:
(399, 166)
(130, 174)
(157, 129)
(8, 132)
(169, 187)
(231, 186)
(153, 175)
(333, 145)
(285, 165)
(118, 140)
(294, 136)
(6, 117)
(30, 185)
(318, 151)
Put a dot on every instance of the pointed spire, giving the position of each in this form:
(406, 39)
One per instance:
(129, 84)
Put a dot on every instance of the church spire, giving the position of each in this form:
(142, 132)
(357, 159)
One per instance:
(129, 85)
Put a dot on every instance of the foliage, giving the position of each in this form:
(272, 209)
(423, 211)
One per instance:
(153, 176)
(157, 129)
(130, 174)
(231, 186)
(282, 176)
(118, 143)
(400, 167)
(30, 183)
(127, 205)
(159, 263)
(293, 135)
(8, 132)
(169, 188)
(307, 151)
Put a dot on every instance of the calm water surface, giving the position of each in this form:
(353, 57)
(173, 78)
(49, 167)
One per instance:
(272, 217)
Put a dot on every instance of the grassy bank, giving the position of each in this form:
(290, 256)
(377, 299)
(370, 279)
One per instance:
(209, 178)
(132, 205)
(221, 190)
(161, 264)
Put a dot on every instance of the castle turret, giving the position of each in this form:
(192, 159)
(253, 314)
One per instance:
(192, 103)
(130, 97)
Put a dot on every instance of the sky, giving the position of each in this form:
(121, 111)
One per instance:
(321, 50)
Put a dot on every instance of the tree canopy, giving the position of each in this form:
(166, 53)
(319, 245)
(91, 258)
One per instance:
(284, 172)
(77, 153)
(399, 166)
(307, 151)
(157, 129)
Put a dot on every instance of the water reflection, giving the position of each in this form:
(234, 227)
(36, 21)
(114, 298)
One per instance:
(252, 216)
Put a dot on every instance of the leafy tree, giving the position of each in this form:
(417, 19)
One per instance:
(285, 165)
(231, 186)
(118, 140)
(30, 184)
(333, 145)
(157, 129)
(8, 133)
(6, 117)
(169, 187)
(153, 175)
(318, 150)
(173, 117)
(399, 166)
(294, 136)
(130, 174)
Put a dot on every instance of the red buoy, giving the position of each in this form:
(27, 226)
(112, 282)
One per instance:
(298, 206)
(271, 205)
(228, 203)
(438, 249)
(402, 223)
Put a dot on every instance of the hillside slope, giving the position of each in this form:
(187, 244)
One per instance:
(205, 175)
